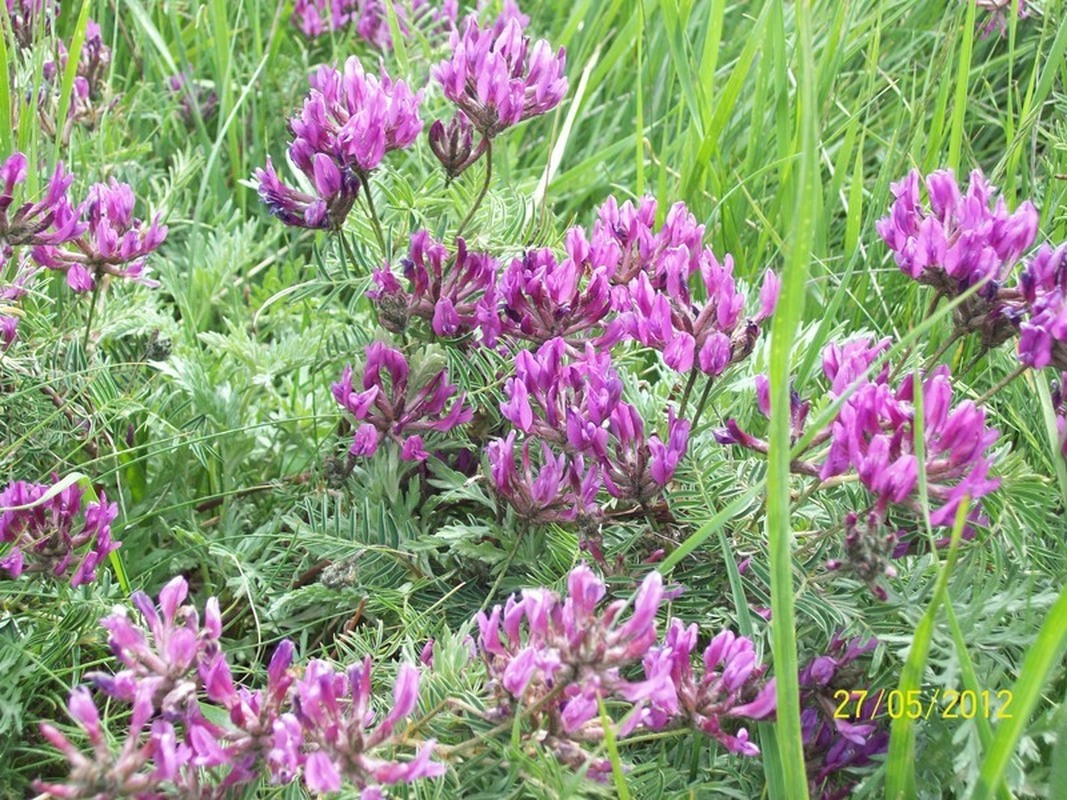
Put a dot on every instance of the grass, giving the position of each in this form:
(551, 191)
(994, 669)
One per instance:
(781, 126)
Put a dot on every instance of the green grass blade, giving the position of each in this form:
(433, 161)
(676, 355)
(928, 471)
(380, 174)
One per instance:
(1041, 658)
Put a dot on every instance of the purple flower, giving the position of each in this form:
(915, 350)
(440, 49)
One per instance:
(390, 409)
(497, 79)
(114, 242)
(453, 145)
(835, 747)
(369, 17)
(90, 81)
(544, 299)
(40, 532)
(349, 121)
(659, 308)
(51, 220)
(637, 468)
(335, 712)
(563, 656)
(561, 489)
(1043, 286)
(961, 240)
(873, 435)
(456, 293)
(30, 17)
(730, 688)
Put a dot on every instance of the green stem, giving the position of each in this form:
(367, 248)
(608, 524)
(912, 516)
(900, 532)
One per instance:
(375, 221)
(685, 392)
(485, 188)
(701, 403)
(98, 283)
(1001, 384)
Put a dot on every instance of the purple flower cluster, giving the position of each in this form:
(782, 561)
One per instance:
(729, 689)
(497, 79)
(28, 17)
(38, 528)
(872, 437)
(573, 402)
(49, 221)
(964, 240)
(369, 17)
(1043, 287)
(320, 724)
(391, 409)
(90, 80)
(650, 273)
(114, 242)
(556, 659)
(961, 240)
(454, 293)
(348, 123)
(835, 745)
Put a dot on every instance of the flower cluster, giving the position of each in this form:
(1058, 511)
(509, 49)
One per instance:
(650, 272)
(873, 437)
(319, 724)
(730, 688)
(574, 403)
(497, 79)
(37, 527)
(90, 81)
(349, 121)
(454, 293)
(556, 659)
(114, 242)
(370, 18)
(391, 409)
(51, 220)
(28, 17)
(1043, 287)
(962, 240)
(834, 743)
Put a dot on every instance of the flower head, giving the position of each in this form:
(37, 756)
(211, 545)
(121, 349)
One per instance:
(497, 79)
(391, 409)
(455, 293)
(349, 121)
(731, 686)
(38, 524)
(114, 242)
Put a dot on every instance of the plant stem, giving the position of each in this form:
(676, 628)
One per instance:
(375, 222)
(98, 283)
(685, 393)
(485, 188)
(1001, 384)
(951, 340)
(700, 405)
